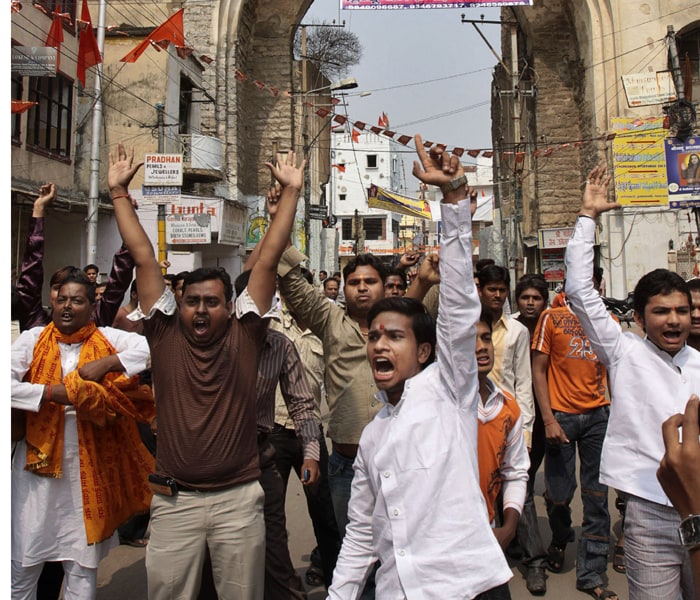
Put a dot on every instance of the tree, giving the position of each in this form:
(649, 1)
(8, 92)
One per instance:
(331, 48)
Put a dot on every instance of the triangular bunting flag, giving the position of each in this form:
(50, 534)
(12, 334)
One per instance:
(360, 125)
(473, 153)
(88, 50)
(404, 139)
(55, 37)
(172, 31)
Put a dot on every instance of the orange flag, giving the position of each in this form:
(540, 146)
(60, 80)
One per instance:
(19, 106)
(170, 31)
(55, 37)
(355, 136)
(88, 50)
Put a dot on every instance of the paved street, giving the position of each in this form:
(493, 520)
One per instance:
(122, 574)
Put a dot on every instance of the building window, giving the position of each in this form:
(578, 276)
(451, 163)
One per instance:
(185, 112)
(17, 91)
(62, 6)
(347, 228)
(49, 123)
(342, 197)
(374, 228)
(371, 161)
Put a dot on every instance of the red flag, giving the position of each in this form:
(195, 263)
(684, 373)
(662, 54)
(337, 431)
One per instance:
(473, 153)
(389, 134)
(360, 125)
(458, 151)
(172, 31)
(340, 119)
(239, 75)
(259, 84)
(19, 106)
(340, 168)
(323, 112)
(184, 51)
(206, 59)
(487, 154)
(404, 139)
(519, 157)
(88, 51)
(55, 37)
(376, 130)
(355, 136)
(385, 120)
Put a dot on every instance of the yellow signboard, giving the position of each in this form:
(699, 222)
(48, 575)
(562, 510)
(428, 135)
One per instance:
(639, 161)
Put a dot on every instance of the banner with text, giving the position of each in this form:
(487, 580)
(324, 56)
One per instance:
(639, 162)
(379, 198)
(683, 172)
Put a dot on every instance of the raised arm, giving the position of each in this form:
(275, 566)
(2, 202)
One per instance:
(459, 301)
(120, 277)
(149, 279)
(263, 278)
(31, 275)
(601, 329)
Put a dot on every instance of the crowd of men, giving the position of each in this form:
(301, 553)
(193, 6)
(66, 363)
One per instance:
(442, 404)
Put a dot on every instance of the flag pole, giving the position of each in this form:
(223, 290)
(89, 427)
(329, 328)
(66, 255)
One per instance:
(94, 190)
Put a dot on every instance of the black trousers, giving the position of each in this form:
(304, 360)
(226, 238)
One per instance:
(289, 455)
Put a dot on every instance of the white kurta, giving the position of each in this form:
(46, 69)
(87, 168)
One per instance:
(47, 513)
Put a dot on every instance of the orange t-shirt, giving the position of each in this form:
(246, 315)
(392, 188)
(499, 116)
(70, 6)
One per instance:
(492, 439)
(576, 378)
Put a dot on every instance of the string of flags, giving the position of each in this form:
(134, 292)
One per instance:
(172, 32)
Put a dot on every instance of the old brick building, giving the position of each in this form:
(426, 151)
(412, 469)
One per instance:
(554, 96)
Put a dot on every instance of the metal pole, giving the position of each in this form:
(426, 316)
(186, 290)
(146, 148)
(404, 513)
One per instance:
(94, 188)
(675, 61)
(160, 108)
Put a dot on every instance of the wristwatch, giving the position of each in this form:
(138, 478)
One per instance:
(689, 532)
(453, 185)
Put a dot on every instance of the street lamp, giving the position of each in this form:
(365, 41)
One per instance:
(348, 83)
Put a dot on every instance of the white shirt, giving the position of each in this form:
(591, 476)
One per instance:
(512, 371)
(47, 513)
(416, 505)
(647, 384)
(516, 460)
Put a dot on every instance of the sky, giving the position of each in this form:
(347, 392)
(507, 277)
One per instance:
(429, 72)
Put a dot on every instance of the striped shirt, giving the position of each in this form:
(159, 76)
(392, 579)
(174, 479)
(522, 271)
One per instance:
(280, 363)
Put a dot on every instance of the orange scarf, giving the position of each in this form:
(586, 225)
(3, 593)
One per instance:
(114, 463)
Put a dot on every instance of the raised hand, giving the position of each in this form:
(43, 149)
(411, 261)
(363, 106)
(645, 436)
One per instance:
(679, 471)
(429, 270)
(121, 170)
(286, 172)
(274, 194)
(408, 260)
(595, 194)
(436, 168)
(47, 194)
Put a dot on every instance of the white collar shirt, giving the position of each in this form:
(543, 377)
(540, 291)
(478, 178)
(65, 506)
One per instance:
(647, 384)
(416, 505)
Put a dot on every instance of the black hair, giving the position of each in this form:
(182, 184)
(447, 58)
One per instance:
(421, 322)
(694, 284)
(493, 273)
(241, 282)
(483, 262)
(365, 260)
(598, 276)
(60, 274)
(78, 276)
(91, 266)
(328, 280)
(486, 316)
(532, 280)
(207, 274)
(169, 277)
(397, 273)
(324, 272)
(658, 281)
(179, 277)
